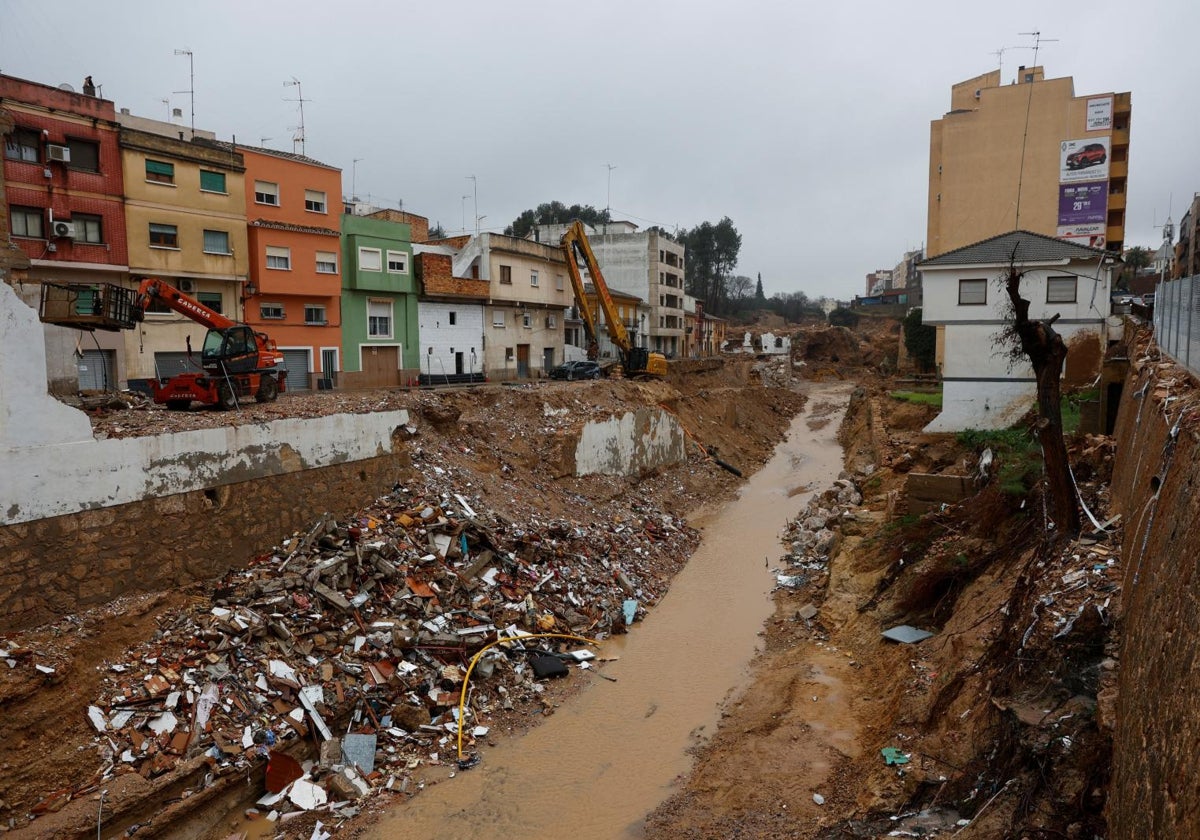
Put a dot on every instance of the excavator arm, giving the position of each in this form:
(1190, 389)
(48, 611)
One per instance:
(574, 244)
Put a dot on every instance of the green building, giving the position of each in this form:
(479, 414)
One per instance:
(379, 304)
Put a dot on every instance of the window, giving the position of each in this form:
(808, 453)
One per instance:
(506, 274)
(156, 170)
(526, 320)
(314, 200)
(370, 259)
(453, 318)
(533, 278)
(26, 221)
(508, 354)
(314, 314)
(379, 318)
(23, 144)
(212, 181)
(497, 318)
(326, 262)
(397, 262)
(972, 292)
(216, 242)
(210, 299)
(280, 258)
(558, 282)
(270, 311)
(88, 228)
(551, 322)
(266, 192)
(164, 236)
(1060, 290)
(84, 154)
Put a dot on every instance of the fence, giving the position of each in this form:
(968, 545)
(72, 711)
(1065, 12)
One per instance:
(1177, 320)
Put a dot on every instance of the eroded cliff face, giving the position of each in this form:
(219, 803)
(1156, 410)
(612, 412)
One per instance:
(1154, 788)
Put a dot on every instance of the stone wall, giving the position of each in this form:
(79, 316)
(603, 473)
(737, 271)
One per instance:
(64, 564)
(1158, 719)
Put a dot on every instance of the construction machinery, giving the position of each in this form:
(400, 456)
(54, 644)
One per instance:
(235, 361)
(635, 361)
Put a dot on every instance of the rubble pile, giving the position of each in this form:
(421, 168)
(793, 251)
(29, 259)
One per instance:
(356, 636)
(812, 537)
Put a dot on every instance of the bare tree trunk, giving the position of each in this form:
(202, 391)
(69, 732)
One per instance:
(1047, 352)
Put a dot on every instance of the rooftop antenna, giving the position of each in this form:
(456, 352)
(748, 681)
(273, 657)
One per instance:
(167, 103)
(608, 203)
(1000, 58)
(464, 213)
(1038, 40)
(262, 141)
(475, 182)
(298, 137)
(354, 178)
(191, 91)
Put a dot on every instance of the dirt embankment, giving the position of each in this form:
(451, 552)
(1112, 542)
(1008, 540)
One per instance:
(998, 725)
(501, 440)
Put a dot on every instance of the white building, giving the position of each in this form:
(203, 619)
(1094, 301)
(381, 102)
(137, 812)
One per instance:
(966, 300)
(450, 318)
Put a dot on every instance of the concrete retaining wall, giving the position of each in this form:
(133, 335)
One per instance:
(637, 442)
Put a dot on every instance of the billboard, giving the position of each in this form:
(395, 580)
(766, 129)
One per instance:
(1084, 160)
(1083, 203)
(1100, 114)
(1092, 234)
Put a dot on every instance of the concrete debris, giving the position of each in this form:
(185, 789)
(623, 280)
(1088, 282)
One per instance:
(906, 634)
(364, 628)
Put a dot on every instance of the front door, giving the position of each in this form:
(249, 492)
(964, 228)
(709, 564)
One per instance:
(522, 361)
(329, 366)
(547, 359)
(381, 366)
(458, 363)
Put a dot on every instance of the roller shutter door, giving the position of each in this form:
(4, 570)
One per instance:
(97, 371)
(296, 362)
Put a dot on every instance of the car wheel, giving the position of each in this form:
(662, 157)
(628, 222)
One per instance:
(225, 398)
(570, 377)
(596, 375)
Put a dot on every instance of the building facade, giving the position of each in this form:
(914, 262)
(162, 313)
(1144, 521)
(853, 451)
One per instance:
(294, 214)
(1029, 155)
(65, 210)
(379, 303)
(185, 215)
(966, 301)
(450, 312)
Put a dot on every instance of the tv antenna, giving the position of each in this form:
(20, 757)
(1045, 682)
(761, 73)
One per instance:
(191, 91)
(1038, 40)
(354, 178)
(1167, 227)
(298, 137)
(1000, 58)
(608, 204)
(167, 103)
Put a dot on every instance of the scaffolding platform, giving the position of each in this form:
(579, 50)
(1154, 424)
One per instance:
(89, 306)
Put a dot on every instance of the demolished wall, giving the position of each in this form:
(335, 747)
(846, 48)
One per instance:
(1158, 720)
(637, 442)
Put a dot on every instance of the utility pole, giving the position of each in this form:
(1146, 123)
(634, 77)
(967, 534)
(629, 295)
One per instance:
(191, 91)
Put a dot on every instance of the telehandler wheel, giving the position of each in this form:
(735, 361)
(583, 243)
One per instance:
(268, 390)
(225, 397)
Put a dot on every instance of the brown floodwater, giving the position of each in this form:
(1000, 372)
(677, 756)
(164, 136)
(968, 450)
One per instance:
(612, 753)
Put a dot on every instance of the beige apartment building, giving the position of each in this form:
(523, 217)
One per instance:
(1070, 169)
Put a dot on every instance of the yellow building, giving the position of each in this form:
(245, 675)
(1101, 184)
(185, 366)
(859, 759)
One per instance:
(185, 217)
(1069, 169)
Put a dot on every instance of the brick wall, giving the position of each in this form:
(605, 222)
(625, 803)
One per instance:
(67, 563)
(436, 275)
(418, 225)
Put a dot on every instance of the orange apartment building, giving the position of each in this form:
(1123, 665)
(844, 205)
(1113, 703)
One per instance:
(293, 217)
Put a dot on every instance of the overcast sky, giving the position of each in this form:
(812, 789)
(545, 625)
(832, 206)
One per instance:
(807, 124)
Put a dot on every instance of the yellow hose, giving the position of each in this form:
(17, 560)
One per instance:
(462, 698)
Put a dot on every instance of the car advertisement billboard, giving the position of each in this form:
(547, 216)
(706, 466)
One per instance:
(1081, 204)
(1092, 235)
(1084, 160)
(1100, 113)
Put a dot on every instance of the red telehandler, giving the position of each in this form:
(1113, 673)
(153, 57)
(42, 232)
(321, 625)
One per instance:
(236, 362)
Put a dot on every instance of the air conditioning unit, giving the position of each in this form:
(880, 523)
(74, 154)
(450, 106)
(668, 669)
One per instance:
(188, 287)
(62, 154)
(63, 230)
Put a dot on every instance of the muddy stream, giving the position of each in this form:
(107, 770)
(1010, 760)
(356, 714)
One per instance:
(611, 754)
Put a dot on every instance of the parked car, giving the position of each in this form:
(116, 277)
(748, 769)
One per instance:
(576, 370)
(1092, 154)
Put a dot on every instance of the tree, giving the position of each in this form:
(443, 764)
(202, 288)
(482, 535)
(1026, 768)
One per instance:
(554, 212)
(1046, 351)
(758, 290)
(712, 254)
(920, 340)
(437, 231)
(739, 287)
(1136, 258)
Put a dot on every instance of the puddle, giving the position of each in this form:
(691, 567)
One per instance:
(612, 753)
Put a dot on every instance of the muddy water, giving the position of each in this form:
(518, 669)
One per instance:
(610, 754)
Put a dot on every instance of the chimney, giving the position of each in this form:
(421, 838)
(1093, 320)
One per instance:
(89, 89)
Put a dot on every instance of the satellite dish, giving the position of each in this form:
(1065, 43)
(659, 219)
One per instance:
(66, 87)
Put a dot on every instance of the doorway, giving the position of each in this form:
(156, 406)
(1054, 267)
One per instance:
(522, 361)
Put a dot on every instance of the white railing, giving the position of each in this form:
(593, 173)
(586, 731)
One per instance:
(1177, 320)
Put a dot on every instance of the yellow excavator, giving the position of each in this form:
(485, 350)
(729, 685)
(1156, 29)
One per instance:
(635, 361)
